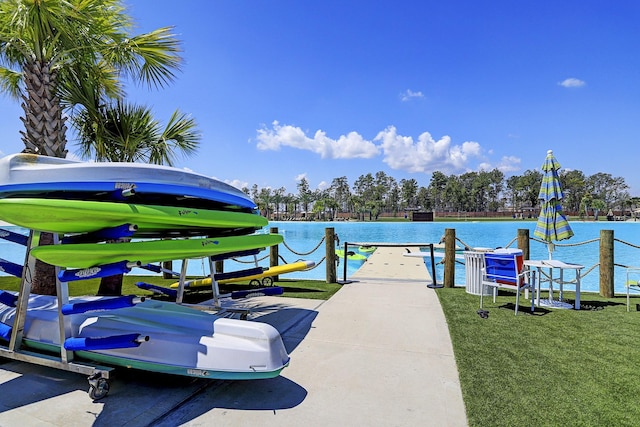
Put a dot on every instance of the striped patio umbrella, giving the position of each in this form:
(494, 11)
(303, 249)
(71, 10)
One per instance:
(552, 224)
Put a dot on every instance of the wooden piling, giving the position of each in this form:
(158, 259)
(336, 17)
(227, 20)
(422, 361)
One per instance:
(606, 263)
(523, 242)
(449, 257)
(330, 253)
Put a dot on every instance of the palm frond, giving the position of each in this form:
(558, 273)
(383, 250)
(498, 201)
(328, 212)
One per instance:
(151, 57)
(10, 81)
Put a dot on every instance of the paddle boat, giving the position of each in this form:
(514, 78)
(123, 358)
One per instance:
(150, 335)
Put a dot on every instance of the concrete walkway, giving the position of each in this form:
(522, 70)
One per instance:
(378, 353)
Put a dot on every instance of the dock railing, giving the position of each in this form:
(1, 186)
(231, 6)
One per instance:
(606, 262)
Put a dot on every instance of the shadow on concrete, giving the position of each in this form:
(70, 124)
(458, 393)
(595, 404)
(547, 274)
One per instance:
(293, 324)
(271, 395)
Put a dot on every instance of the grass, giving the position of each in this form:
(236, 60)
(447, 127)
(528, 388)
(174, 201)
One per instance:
(549, 368)
(311, 289)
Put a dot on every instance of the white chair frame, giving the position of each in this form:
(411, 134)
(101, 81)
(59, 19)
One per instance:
(632, 284)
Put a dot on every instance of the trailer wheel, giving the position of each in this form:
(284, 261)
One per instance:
(98, 388)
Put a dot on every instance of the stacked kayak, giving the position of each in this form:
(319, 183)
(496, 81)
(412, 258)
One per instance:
(162, 214)
(65, 196)
(27, 175)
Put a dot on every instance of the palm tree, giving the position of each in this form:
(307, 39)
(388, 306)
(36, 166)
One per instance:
(129, 133)
(50, 47)
(52, 52)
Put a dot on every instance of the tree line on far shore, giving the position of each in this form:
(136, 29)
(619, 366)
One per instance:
(484, 191)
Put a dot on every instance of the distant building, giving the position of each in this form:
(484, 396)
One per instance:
(422, 216)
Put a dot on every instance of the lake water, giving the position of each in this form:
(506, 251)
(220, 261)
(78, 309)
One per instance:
(303, 237)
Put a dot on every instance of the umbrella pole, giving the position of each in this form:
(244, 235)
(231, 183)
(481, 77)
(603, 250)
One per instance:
(551, 286)
(550, 248)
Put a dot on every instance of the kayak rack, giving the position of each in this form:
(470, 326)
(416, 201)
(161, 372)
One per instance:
(216, 305)
(98, 376)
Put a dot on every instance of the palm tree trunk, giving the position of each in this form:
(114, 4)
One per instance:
(45, 131)
(44, 134)
(44, 277)
(111, 285)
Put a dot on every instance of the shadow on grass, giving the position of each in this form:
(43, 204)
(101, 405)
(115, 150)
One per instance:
(538, 311)
(541, 311)
(596, 305)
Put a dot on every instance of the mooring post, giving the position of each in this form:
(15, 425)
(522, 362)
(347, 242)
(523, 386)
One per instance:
(167, 265)
(273, 254)
(219, 266)
(330, 249)
(523, 242)
(449, 257)
(606, 263)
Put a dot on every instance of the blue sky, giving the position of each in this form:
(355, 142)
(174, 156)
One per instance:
(324, 89)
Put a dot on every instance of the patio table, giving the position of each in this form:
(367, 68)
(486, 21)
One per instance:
(552, 264)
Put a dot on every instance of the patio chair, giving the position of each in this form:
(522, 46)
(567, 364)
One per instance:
(633, 282)
(503, 271)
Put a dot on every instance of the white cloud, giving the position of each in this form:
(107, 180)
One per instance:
(425, 154)
(237, 183)
(323, 185)
(299, 177)
(347, 146)
(572, 82)
(422, 155)
(510, 164)
(409, 94)
(507, 165)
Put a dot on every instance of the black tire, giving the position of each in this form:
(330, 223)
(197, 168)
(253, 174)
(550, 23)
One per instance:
(100, 390)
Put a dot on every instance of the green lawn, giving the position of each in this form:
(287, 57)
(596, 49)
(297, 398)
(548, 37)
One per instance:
(552, 368)
(312, 289)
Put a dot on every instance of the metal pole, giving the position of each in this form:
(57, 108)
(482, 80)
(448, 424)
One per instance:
(435, 284)
(274, 254)
(344, 262)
